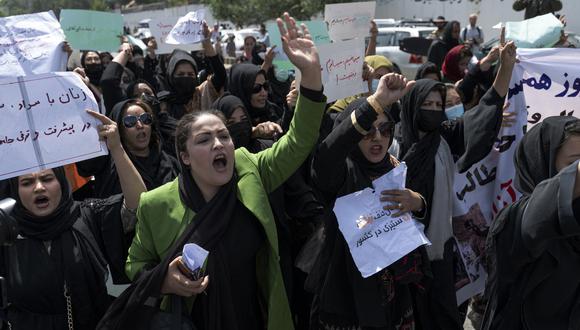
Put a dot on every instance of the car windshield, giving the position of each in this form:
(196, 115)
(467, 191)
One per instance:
(386, 39)
(425, 33)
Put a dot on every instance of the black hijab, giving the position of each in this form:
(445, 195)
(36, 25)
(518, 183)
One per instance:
(181, 88)
(240, 132)
(427, 68)
(207, 228)
(419, 153)
(368, 169)
(535, 156)
(242, 79)
(447, 36)
(156, 169)
(83, 268)
(93, 71)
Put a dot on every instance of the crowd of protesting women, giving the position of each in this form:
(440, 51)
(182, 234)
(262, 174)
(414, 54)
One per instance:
(248, 164)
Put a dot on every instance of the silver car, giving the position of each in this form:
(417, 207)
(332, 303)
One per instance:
(388, 46)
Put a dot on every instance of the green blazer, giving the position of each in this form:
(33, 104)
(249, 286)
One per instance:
(162, 217)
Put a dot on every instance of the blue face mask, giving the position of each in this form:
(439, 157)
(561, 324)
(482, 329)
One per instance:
(455, 111)
(375, 85)
(281, 75)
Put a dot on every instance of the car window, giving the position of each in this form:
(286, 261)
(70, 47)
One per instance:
(386, 39)
(425, 33)
(400, 35)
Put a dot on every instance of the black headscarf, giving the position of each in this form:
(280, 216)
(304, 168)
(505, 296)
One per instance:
(419, 153)
(427, 68)
(84, 268)
(370, 170)
(240, 132)
(180, 93)
(536, 154)
(207, 228)
(447, 36)
(366, 301)
(93, 71)
(157, 168)
(242, 79)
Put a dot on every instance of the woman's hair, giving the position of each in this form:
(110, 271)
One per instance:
(449, 86)
(571, 129)
(154, 137)
(183, 129)
(84, 55)
(465, 53)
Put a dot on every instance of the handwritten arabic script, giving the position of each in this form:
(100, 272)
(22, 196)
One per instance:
(46, 125)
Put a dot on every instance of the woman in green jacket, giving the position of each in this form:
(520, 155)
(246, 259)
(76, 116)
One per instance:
(220, 202)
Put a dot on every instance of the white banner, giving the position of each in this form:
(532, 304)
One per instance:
(349, 20)
(160, 29)
(44, 123)
(31, 44)
(545, 82)
(375, 238)
(187, 30)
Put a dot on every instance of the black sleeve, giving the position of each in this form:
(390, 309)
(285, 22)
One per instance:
(219, 72)
(111, 86)
(149, 71)
(166, 125)
(106, 225)
(472, 136)
(435, 54)
(328, 164)
(550, 214)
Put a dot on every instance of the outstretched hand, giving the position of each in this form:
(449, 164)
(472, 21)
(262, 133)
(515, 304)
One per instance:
(301, 51)
(108, 131)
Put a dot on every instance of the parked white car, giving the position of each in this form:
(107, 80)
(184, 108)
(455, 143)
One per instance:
(239, 36)
(388, 46)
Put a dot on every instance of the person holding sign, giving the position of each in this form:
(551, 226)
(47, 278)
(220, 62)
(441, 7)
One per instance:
(220, 202)
(533, 246)
(430, 145)
(351, 156)
(182, 91)
(56, 271)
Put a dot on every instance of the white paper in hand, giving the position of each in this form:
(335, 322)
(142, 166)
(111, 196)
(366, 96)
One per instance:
(375, 238)
(188, 29)
(194, 257)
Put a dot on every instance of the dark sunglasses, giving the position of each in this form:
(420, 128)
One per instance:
(131, 120)
(258, 88)
(386, 130)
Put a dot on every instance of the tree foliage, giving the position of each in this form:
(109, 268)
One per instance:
(244, 12)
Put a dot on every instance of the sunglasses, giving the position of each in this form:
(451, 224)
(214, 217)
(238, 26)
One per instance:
(386, 130)
(258, 88)
(131, 120)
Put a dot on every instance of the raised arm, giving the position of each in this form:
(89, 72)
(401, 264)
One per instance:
(132, 184)
(111, 79)
(279, 162)
(372, 46)
(520, 5)
(219, 71)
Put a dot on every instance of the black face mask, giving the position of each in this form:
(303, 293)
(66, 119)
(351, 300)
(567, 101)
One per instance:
(94, 72)
(151, 101)
(430, 120)
(241, 133)
(185, 86)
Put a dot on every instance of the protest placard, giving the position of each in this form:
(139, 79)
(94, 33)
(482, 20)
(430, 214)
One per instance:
(375, 238)
(538, 32)
(545, 82)
(349, 20)
(318, 33)
(187, 30)
(44, 123)
(92, 30)
(160, 29)
(31, 44)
